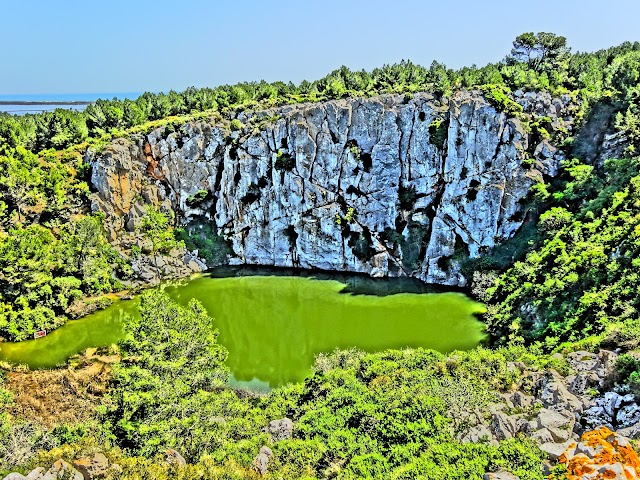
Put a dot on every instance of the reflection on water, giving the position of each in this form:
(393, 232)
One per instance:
(274, 326)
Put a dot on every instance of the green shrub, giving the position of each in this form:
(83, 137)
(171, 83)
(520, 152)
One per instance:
(498, 96)
(438, 131)
(211, 247)
(284, 161)
(236, 125)
(197, 198)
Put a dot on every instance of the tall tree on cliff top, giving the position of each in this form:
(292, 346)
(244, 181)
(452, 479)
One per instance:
(542, 52)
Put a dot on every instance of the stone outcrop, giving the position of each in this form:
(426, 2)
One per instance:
(500, 475)
(86, 468)
(93, 467)
(387, 186)
(553, 409)
(601, 454)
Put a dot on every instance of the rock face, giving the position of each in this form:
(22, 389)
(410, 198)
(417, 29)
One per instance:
(387, 186)
(553, 409)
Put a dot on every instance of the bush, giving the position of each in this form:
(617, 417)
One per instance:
(498, 96)
(236, 125)
(555, 219)
(284, 161)
(438, 131)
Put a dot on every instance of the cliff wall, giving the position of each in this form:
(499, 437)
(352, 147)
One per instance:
(387, 186)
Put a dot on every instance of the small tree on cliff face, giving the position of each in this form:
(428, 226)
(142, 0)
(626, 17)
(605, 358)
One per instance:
(542, 52)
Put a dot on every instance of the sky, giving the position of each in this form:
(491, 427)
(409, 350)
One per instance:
(90, 46)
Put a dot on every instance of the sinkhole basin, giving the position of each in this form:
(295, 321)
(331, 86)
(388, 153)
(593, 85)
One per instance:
(273, 326)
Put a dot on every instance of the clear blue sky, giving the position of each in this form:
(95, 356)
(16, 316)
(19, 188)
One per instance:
(73, 46)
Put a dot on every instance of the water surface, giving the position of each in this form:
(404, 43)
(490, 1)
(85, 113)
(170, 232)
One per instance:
(274, 326)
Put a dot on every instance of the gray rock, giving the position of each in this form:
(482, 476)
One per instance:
(542, 436)
(519, 399)
(61, 470)
(610, 403)
(500, 475)
(596, 417)
(36, 473)
(280, 429)
(554, 450)
(14, 476)
(552, 419)
(172, 457)
(261, 463)
(628, 416)
(502, 426)
(554, 393)
(632, 432)
(477, 434)
(266, 451)
(92, 468)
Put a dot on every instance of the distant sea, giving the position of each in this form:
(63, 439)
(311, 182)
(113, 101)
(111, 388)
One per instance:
(47, 102)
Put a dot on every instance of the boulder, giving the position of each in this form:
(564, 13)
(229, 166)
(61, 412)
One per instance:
(14, 476)
(502, 426)
(500, 475)
(555, 450)
(552, 419)
(174, 458)
(554, 394)
(264, 450)
(261, 463)
(632, 432)
(542, 436)
(476, 434)
(93, 467)
(521, 400)
(36, 473)
(628, 416)
(61, 470)
(601, 454)
(280, 429)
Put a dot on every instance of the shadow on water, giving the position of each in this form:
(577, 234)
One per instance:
(354, 283)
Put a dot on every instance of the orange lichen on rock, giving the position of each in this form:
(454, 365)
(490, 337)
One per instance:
(601, 454)
(152, 164)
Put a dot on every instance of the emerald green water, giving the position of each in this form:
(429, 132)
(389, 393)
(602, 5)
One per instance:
(273, 326)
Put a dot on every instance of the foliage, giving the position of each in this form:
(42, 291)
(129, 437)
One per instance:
(498, 96)
(43, 274)
(197, 198)
(438, 132)
(156, 226)
(541, 52)
(236, 125)
(162, 389)
(202, 237)
(284, 161)
(582, 278)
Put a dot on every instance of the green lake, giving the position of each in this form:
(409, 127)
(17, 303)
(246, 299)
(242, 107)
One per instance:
(273, 326)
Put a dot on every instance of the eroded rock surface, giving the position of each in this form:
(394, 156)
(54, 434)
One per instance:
(388, 186)
(553, 409)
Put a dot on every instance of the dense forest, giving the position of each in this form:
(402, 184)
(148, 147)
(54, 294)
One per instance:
(569, 282)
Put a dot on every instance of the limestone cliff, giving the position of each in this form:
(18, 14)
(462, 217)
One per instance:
(387, 186)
